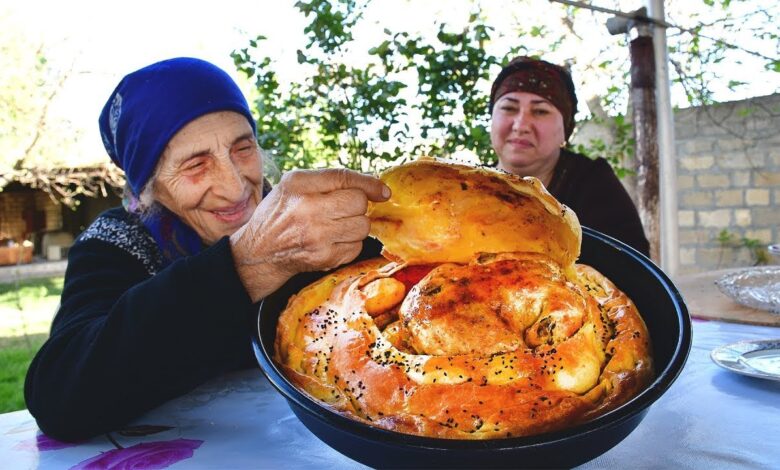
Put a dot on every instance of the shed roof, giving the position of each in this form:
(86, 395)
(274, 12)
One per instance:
(63, 185)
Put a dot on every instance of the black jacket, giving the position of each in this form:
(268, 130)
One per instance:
(129, 335)
(127, 338)
(591, 189)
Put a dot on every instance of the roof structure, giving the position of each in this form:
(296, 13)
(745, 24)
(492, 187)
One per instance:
(63, 185)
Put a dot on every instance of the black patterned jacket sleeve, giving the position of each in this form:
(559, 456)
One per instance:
(128, 337)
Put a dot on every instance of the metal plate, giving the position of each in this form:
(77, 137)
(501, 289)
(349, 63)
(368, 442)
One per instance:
(760, 358)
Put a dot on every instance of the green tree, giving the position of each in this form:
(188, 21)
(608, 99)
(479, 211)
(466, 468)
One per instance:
(334, 114)
(28, 86)
(427, 94)
(361, 118)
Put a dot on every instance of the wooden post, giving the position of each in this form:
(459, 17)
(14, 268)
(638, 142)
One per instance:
(646, 134)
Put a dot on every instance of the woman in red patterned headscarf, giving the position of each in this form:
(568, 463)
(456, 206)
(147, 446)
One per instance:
(532, 106)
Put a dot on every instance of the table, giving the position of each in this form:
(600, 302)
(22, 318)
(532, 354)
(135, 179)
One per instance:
(705, 300)
(710, 418)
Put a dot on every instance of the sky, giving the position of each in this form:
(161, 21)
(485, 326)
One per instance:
(101, 41)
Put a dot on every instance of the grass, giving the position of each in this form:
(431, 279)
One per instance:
(15, 356)
(26, 311)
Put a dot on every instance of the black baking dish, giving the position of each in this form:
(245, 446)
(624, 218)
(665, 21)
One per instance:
(661, 307)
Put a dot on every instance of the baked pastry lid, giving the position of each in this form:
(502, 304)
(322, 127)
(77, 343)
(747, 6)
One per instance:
(445, 211)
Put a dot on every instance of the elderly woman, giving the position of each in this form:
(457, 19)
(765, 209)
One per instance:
(532, 106)
(159, 294)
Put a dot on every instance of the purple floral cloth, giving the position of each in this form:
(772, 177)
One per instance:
(148, 455)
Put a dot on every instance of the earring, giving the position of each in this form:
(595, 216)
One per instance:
(563, 144)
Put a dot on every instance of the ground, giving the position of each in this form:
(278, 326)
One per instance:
(26, 310)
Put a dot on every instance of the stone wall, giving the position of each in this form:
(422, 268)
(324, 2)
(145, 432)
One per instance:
(22, 208)
(728, 178)
(30, 214)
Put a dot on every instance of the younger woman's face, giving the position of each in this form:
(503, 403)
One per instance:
(210, 174)
(526, 132)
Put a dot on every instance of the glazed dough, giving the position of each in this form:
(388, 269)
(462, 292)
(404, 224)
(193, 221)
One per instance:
(448, 336)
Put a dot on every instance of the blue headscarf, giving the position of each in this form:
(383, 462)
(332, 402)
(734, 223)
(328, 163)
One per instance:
(144, 112)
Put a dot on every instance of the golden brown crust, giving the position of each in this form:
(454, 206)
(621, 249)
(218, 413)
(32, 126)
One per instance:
(444, 212)
(481, 328)
(340, 357)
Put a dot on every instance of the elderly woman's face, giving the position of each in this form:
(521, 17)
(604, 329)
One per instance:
(210, 174)
(526, 132)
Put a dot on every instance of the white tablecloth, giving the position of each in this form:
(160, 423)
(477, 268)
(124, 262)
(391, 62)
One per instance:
(709, 419)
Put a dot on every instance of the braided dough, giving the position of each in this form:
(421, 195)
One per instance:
(476, 323)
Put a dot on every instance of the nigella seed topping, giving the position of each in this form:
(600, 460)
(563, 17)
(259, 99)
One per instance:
(387, 349)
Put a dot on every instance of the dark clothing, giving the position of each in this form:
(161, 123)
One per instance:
(130, 335)
(591, 189)
(127, 338)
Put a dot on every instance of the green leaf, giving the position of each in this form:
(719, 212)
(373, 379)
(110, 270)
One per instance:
(725, 237)
(735, 83)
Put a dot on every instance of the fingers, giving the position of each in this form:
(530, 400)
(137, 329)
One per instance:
(331, 243)
(311, 221)
(326, 241)
(349, 229)
(341, 203)
(329, 180)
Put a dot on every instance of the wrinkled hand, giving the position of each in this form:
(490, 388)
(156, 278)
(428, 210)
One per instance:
(311, 221)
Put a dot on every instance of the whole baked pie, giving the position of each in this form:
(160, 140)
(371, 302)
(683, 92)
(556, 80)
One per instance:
(476, 323)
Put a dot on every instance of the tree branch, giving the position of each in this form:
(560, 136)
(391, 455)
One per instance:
(664, 24)
(44, 112)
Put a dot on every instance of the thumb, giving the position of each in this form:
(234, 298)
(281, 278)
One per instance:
(333, 179)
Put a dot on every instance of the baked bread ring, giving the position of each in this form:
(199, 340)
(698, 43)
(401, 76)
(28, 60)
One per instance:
(491, 345)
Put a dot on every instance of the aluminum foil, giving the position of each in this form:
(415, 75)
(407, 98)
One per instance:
(757, 287)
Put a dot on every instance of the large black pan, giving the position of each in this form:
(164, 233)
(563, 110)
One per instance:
(670, 329)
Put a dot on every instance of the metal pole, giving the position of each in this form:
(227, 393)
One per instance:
(670, 253)
(645, 131)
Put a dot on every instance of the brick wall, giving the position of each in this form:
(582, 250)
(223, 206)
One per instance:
(14, 205)
(52, 217)
(728, 178)
(11, 222)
